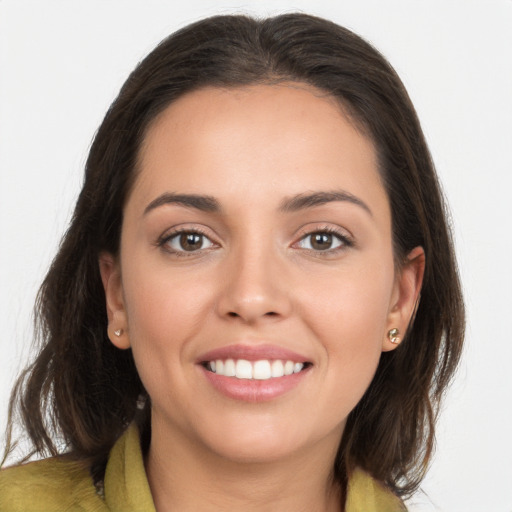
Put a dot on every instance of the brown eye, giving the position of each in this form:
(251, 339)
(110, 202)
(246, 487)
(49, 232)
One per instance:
(321, 241)
(189, 241)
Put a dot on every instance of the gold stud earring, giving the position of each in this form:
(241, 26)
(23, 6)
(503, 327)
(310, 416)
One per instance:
(118, 332)
(394, 336)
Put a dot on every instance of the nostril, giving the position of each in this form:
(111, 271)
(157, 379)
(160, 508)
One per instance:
(232, 314)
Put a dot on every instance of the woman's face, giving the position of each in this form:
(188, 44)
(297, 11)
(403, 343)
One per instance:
(256, 241)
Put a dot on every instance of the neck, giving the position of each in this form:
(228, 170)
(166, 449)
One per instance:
(183, 476)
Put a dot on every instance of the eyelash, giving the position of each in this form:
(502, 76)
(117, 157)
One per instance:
(345, 241)
(163, 241)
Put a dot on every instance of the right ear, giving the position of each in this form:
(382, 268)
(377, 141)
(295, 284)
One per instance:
(112, 284)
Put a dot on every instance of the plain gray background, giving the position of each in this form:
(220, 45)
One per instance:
(62, 63)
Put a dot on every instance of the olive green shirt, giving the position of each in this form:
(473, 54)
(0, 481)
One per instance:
(58, 485)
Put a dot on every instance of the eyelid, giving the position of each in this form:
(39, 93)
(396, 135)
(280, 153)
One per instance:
(342, 234)
(338, 242)
(175, 231)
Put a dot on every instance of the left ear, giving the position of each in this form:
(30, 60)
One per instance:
(116, 312)
(406, 293)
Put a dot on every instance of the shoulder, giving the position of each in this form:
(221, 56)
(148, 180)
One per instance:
(366, 494)
(52, 485)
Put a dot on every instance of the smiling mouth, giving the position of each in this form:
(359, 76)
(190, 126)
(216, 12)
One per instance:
(263, 369)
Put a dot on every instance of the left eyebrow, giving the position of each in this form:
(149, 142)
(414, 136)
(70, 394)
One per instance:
(310, 200)
(196, 201)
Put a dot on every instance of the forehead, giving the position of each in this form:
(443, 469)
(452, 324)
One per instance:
(285, 138)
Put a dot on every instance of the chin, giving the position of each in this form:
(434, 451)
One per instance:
(256, 451)
(263, 440)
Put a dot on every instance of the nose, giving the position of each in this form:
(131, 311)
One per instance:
(255, 287)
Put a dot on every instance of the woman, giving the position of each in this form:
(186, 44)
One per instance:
(256, 305)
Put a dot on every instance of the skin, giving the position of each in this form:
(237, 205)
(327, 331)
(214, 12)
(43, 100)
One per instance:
(256, 280)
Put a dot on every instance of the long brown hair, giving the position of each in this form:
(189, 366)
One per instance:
(81, 392)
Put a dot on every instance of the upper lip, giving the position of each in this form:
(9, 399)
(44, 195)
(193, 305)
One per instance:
(252, 353)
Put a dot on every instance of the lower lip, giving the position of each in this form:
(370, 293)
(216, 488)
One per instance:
(253, 390)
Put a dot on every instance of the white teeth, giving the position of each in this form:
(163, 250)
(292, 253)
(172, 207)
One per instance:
(229, 368)
(261, 370)
(243, 369)
(258, 370)
(288, 367)
(277, 369)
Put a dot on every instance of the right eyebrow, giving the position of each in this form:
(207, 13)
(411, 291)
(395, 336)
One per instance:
(303, 201)
(199, 202)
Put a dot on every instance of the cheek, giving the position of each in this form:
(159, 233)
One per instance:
(349, 315)
(351, 306)
(164, 311)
